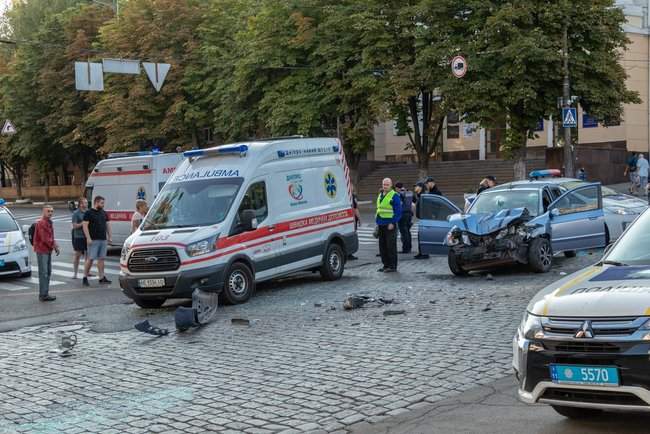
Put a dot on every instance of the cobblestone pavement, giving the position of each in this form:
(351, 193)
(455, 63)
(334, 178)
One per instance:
(303, 364)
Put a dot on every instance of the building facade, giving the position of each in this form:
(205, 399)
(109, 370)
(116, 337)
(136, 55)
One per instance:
(463, 141)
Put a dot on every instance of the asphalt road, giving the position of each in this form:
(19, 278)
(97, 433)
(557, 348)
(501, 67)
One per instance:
(494, 409)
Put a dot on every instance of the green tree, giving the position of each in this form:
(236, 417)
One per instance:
(515, 58)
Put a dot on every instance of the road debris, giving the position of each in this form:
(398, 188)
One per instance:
(359, 301)
(394, 312)
(203, 310)
(146, 327)
(240, 321)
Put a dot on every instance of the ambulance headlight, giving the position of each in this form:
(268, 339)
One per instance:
(201, 247)
(125, 252)
(19, 246)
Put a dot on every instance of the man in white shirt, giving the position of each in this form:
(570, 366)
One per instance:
(642, 168)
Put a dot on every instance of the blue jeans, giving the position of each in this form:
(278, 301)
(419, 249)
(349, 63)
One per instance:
(44, 261)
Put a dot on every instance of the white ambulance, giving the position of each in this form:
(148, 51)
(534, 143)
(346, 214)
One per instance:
(234, 215)
(125, 177)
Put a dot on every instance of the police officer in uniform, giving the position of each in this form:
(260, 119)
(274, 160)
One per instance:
(406, 221)
(389, 212)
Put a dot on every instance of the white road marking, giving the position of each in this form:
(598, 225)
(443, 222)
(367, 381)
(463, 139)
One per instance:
(34, 281)
(11, 287)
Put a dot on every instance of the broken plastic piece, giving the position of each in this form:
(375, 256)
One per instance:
(203, 310)
(146, 327)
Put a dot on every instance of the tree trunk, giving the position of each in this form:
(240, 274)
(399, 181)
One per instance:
(423, 165)
(3, 179)
(47, 187)
(519, 166)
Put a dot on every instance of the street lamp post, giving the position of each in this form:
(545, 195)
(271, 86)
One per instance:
(569, 169)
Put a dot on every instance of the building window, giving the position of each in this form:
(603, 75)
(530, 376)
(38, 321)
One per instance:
(453, 118)
(453, 131)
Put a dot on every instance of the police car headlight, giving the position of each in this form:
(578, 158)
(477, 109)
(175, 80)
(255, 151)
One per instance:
(531, 327)
(19, 246)
(453, 236)
(201, 247)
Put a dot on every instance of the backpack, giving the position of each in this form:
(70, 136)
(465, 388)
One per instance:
(30, 233)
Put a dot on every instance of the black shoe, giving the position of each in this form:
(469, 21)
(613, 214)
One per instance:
(105, 280)
(84, 282)
(47, 298)
(352, 258)
(390, 270)
(421, 256)
(382, 269)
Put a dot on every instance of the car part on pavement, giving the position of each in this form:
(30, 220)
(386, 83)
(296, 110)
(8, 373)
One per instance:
(203, 310)
(148, 328)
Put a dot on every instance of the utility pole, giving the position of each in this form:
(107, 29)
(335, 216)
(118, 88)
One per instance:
(569, 160)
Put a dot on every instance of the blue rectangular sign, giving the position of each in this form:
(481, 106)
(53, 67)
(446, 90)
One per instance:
(569, 117)
(584, 374)
(588, 121)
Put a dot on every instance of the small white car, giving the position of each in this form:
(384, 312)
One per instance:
(14, 254)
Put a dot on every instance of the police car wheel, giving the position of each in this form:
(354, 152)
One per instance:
(540, 255)
(239, 284)
(454, 266)
(149, 303)
(333, 263)
(576, 412)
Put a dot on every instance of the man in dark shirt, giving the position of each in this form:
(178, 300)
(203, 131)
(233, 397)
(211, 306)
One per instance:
(97, 229)
(431, 187)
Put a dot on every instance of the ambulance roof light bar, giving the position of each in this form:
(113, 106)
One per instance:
(132, 154)
(2, 201)
(219, 150)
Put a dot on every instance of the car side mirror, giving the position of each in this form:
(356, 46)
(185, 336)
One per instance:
(554, 212)
(248, 220)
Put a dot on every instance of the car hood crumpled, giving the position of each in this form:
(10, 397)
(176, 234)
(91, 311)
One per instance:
(487, 223)
(597, 291)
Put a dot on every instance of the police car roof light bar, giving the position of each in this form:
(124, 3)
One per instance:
(544, 173)
(2, 201)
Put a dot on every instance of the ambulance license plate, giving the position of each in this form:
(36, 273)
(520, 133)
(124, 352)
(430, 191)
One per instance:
(151, 283)
(584, 374)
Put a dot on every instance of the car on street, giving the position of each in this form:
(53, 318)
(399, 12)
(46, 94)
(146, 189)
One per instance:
(583, 344)
(14, 254)
(523, 222)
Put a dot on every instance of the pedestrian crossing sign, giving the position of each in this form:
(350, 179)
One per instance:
(569, 117)
(8, 128)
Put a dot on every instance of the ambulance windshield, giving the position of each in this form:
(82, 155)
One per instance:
(192, 203)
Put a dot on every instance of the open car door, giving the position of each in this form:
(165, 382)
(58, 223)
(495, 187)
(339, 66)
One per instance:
(577, 219)
(434, 226)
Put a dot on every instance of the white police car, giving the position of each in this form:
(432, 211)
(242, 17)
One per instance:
(14, 254)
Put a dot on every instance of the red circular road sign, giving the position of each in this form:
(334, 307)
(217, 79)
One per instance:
(459, 66)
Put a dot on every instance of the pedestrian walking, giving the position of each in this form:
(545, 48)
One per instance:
(141, 209)
(431, 187)
(418, 190)
(78, 237)
(44, 244)
(406, 221)
(97, 229)
(642, 168)
(630, 170)
(389, 212)
(487, 182)
(582, 174)
(357, 220)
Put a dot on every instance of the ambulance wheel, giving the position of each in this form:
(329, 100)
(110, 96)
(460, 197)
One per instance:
(540, 255)
(239, 284)
(454, 266)
(333, 263)
(149, 303)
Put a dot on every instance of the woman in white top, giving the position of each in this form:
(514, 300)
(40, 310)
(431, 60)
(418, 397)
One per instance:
(141, 209)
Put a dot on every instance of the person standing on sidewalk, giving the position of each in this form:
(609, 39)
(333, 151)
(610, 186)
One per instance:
(389, 212)
(141, 209)
(630, 170)
(44, 244)
(97, 229)
(418, 191)
(642, 169)
(406, 221)
(78, 237)
(357, 219)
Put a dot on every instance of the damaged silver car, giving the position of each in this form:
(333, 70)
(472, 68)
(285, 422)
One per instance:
(521, 222)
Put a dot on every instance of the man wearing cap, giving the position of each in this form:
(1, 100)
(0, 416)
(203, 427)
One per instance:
(431, 187)
(487, 182)
(389, 212)
(406, 221)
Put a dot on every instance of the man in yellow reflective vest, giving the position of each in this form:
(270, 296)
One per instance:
(389, 212)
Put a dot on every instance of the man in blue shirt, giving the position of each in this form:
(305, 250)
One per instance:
(389, 212)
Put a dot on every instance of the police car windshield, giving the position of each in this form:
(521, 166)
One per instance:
(495, 201)
(192, 203)
(633, 248)
(7, 224)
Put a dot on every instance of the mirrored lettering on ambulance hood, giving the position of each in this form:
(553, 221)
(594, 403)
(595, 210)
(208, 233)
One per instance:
(192, 203)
